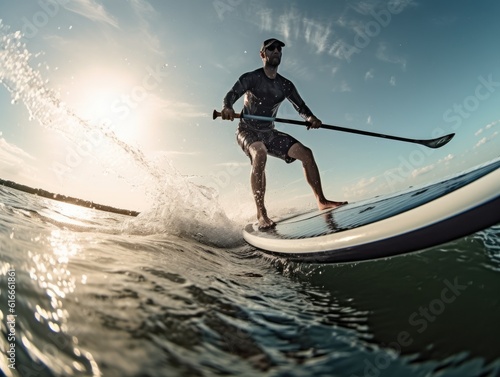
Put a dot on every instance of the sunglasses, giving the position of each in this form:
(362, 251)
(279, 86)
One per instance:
(273, 47)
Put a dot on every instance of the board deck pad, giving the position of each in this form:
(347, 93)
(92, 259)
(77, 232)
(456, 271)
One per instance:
(339, 221)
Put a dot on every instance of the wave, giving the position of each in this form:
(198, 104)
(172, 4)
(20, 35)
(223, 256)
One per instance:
(187, 210)
(490, 239)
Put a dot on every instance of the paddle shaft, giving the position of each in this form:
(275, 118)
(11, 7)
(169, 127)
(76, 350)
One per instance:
(431, 143)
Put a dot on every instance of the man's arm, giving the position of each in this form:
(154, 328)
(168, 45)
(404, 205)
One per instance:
(304, 111)
(238, 89)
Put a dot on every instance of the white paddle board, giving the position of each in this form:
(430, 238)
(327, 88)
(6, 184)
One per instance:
(387, 226)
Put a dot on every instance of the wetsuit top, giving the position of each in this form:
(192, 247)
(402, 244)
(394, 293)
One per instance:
(263, 97)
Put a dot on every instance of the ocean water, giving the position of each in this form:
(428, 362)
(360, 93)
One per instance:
(97, 293)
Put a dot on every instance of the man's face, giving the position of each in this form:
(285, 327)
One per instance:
(272, 54)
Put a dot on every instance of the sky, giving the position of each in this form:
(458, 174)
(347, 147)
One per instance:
(100, 97)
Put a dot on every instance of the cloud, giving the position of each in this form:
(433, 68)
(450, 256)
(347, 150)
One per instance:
(14, 161)
(494, 123)
(486, 139)
(340, 50)
(142, 7)
(57, 41)
(367, 7)
(232, 164)
(344, 87)
(298, 70)
(392, 81)
(92, 10)
(384, 55)
(11, 152)
(163, 154)
(288, 24)
(487, 127)
(447, 158)
(426, 169)
(317, 34)
(139, 29)
(164, 158)
(145, 12)
(266, 19)
(292, 26)
(423, 170)
(363, 7)
(174, 109)
(332, 37)
(360, 188)
(369, 120)
(369, 74)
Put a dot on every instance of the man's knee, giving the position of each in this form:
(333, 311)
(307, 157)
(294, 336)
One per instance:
(308, 152)
(258, 151)
(302, 153)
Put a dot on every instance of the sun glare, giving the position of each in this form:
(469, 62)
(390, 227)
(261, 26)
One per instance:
(114, 98)
(94, 91)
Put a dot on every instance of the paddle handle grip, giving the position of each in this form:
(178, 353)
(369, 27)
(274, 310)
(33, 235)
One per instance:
(217, 114)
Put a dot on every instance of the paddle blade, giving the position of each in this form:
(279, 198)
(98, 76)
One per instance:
(438, 142)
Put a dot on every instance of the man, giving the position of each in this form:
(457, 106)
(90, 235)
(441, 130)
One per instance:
(264, 91)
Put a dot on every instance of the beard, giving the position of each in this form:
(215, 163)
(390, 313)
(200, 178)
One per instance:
(273, 61)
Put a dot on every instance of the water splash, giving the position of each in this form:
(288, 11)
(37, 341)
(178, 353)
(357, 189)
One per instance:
(27, 85)
(180, 206)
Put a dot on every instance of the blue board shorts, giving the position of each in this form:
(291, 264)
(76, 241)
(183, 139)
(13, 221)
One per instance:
(277, 143)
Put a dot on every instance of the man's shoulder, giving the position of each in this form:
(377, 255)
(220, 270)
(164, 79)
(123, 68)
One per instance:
(285, 81)
(283, 78)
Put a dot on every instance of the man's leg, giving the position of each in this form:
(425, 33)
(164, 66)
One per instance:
(305, 155)
(258, 151)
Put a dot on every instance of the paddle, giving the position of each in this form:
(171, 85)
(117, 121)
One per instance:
(431, 143)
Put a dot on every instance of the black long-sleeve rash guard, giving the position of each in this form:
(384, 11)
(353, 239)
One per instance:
(263, 97)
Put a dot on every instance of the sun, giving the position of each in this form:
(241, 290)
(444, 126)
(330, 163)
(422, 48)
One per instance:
(113, 97)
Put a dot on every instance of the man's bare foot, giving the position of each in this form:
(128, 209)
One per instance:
(328, 204)
(265, 223)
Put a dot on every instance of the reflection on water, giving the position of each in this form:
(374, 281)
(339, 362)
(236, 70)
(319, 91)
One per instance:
(490, 238)
(45, 344)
